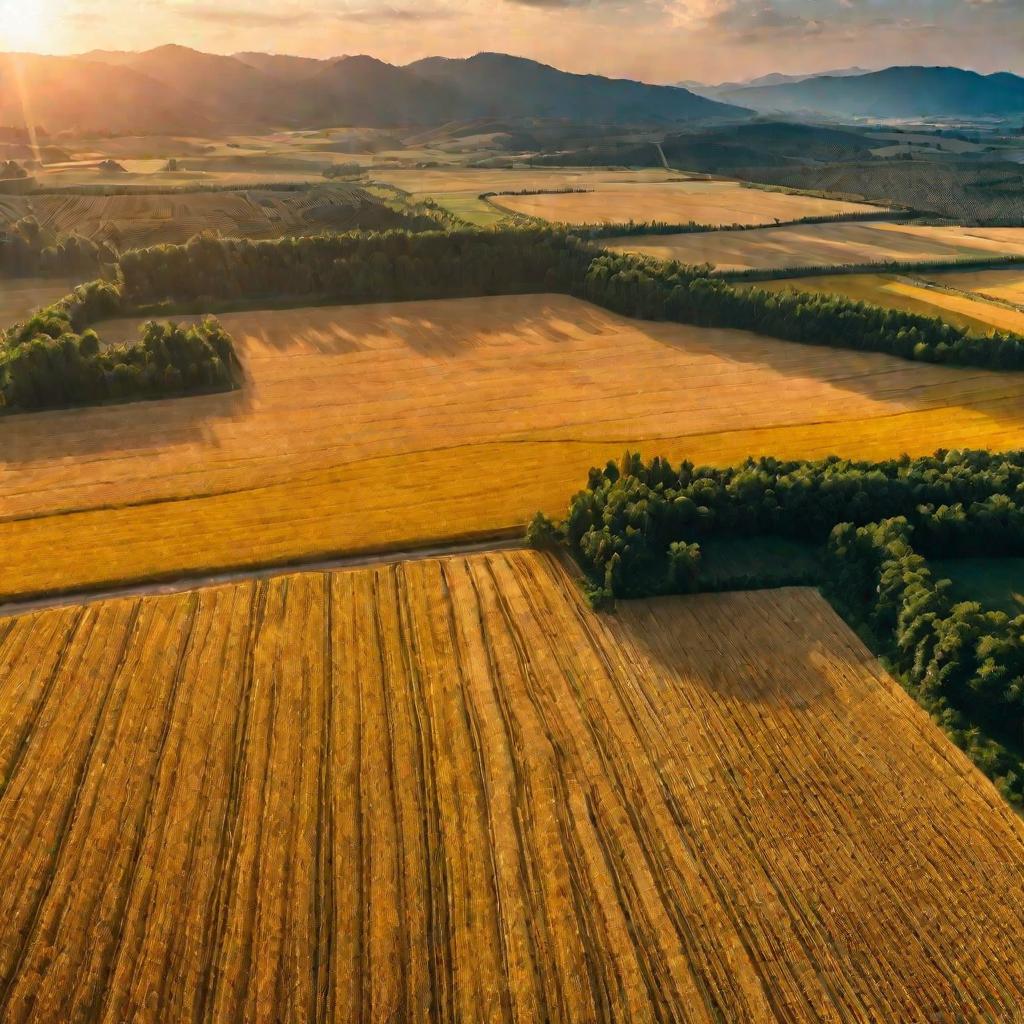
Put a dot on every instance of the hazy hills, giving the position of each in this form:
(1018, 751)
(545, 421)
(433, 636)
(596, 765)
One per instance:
(175, 89)
(898, 92)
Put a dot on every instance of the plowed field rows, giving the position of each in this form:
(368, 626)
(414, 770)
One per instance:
(137, 220)
(371, 427)
(447, 791)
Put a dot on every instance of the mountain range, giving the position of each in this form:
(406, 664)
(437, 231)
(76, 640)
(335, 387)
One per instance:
(897, 92)
(712, 91)
(173, 89)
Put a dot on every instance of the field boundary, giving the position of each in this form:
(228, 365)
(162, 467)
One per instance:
(512, 539)
(890, 266)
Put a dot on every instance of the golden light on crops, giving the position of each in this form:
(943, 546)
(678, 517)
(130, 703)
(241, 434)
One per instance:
(26, 24)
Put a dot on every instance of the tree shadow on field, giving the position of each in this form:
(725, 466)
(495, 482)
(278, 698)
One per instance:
(434, 328)
(93, 433)
(904, 385)
(750, 646)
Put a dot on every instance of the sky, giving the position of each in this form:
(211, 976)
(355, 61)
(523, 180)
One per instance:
(651, 40)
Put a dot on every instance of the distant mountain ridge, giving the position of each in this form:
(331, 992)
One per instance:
(174, 89)
(712, 91)
(896, 92)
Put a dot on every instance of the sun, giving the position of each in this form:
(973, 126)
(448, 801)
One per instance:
(26, 24)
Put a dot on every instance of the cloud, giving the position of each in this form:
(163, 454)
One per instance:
(750, 23)
(237, 17)
(382, 15)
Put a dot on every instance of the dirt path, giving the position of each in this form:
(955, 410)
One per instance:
(185, 583)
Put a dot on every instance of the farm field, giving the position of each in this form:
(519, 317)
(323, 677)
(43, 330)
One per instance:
(174, 217)
(19, 296)
(469, 797)
(819, 245)
(912, 296)
(1007, 284)
(367, 428)
(680, 202)
(431, 181)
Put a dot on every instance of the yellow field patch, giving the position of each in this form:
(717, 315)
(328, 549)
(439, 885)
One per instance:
(447, 788)
(895, 292)
(820, 245)
(372, 427)
(1007, 284)
(701, 202)
(476, 180)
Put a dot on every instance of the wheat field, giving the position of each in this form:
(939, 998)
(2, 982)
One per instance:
(447, 791)
(820, 245)
(713, 203)
(1006, 285)
(911, 296)
(368, 428)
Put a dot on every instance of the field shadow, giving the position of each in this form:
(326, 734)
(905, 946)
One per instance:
(713, 642)
(92, 433)
(430, 328)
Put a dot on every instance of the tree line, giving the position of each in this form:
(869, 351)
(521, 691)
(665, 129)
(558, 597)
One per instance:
(637, 529)
(55, 359)
(355, 267)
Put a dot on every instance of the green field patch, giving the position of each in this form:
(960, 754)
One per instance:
(757, 563)
(995, 583)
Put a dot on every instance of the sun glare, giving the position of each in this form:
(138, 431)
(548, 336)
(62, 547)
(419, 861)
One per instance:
(24, 24)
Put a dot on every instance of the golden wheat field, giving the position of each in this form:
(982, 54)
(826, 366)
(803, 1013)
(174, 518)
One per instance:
(680, 202)
(446, 790)
(427, 181)
(819, 245)
(1006, 285)
(365, 428)
(911, 296)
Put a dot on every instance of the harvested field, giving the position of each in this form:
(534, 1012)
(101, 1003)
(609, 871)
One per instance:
(447, 790)
(702, 202)
(895, 292)
(431, 181)
(19, 296)
(1006, 285)
(363, 428)
(820, 245)
(174, 217)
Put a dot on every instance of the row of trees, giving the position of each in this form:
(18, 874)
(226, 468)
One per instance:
(355, 267)
(55, 359)
(26, 250)
(671, 291)
(636, 530)
(965, 663)
(395, 265)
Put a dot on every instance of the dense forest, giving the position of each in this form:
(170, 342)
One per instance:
(55, 359)
(638, 527)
